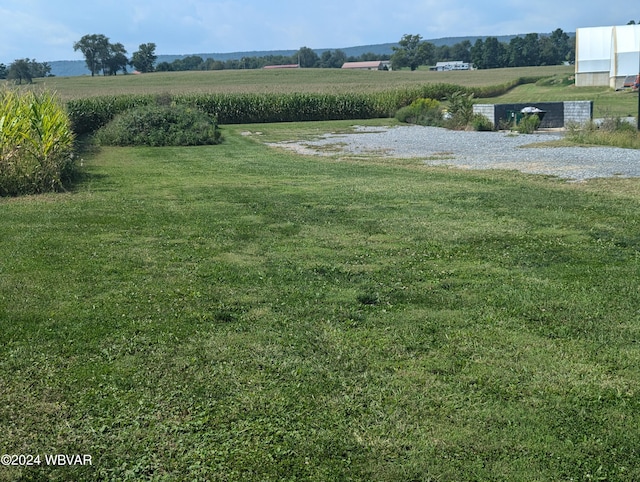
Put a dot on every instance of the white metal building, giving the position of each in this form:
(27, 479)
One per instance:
(452, 65)
(606, 55)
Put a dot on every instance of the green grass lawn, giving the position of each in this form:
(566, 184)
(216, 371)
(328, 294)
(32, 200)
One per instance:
(237, 312)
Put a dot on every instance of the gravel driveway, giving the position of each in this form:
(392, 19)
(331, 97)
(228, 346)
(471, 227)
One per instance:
(480, 150)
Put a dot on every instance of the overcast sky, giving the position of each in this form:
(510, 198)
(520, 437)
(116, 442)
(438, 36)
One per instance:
(45, 30)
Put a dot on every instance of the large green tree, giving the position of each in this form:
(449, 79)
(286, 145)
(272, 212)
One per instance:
(102, 55)
(95, 48)
(20, 72)
(332, 60)
(306, 57)
(25, 70)
(144, 59)
(412, 52)
(116, 59)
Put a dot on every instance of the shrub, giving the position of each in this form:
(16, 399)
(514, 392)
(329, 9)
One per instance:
(36, 143)
(481, 123)
(160, 125)
(90, 114)
(426, 112)
(528, 124)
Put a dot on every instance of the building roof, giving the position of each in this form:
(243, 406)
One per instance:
(373, 64)
(285, 66)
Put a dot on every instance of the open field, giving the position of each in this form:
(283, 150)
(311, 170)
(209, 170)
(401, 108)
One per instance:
(289, 80)
(606, 101)
(238, 312)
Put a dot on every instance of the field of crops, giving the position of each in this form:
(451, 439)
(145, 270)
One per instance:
(278, 81)
(332, 81)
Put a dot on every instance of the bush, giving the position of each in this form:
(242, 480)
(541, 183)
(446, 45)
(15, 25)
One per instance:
(36, 143)
(426, 112)
(90, 114)
(481, 123)
(160, 125)
(528, 124)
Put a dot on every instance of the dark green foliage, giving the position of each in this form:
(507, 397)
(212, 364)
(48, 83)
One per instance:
(254, 108)
(159, 125)
(88, 115)
(528, 124)
(481, 123)
(528, 50)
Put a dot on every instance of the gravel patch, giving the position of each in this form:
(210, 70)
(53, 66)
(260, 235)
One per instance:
(479, 150)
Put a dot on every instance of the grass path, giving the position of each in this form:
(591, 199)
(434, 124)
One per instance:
(241, 313)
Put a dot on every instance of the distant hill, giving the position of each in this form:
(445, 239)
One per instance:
(71, 68)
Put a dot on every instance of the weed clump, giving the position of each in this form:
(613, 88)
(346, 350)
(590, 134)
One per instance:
(528, 125)
(425, 112)
(160, 125)
(460, 112)
(481, 123)
(612, 131)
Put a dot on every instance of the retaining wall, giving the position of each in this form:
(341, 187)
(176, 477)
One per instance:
(556, 114)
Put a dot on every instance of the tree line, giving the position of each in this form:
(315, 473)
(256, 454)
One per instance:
(24, 70)
(412, 52)
(304, 57)
(103, 56)
(109, 58)
(531, 50)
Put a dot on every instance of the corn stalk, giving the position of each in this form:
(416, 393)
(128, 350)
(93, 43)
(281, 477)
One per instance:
(36, 143)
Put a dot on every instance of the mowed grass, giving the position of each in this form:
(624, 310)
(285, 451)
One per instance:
(237, 312)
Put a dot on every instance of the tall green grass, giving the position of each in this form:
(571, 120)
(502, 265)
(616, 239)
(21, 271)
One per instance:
(36, 143)
(613, 131)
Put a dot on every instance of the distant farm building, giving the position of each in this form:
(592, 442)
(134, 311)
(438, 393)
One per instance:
(371, 65)
(607, 55)
(453, 65)
(285, 66)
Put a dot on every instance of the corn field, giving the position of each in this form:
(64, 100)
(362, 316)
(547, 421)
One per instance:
(36, 143)
(89, 114)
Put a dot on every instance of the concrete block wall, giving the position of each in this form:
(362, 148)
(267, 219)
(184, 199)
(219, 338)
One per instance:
(579, 112)
(557, 114)
(487, 110)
